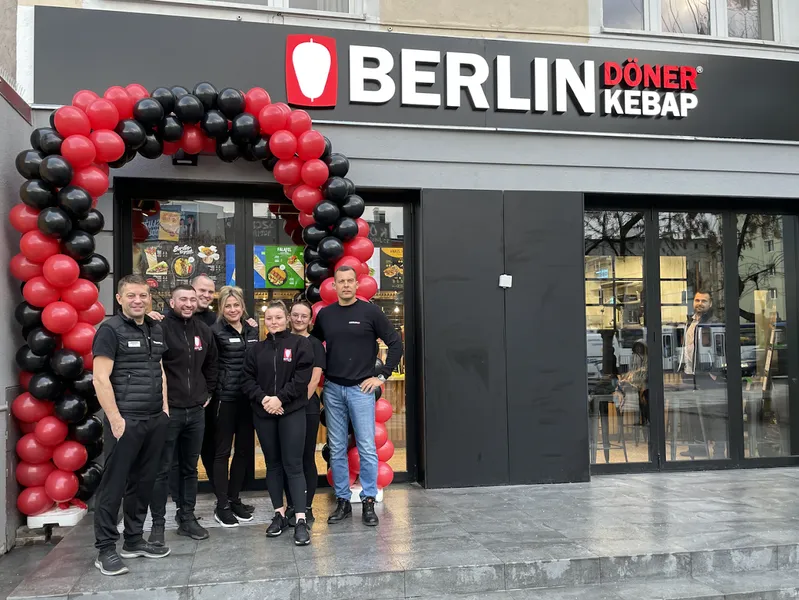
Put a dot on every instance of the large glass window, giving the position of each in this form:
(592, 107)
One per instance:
(623, 14)
(686, 16)
(750, 19)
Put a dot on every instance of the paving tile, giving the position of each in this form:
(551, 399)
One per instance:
(243, 573)
(583, 592)
(788, 556)
(347, 564)
(345, 587)
(739, 585)
(153, 594)
(455, 579)
(665, 589)
(46, 587)
(619, 568)
(551, 573)
(478, 596)
(94, 582)
(734, 560)
(447, 558)
(288, 589)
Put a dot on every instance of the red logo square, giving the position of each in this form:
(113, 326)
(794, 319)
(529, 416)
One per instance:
(311, 71)
(287, 355)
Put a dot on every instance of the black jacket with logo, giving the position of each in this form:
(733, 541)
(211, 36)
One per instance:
(191, 363)
(232, 346)
(281, 366)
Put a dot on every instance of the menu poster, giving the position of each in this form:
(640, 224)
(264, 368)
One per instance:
(391, 269)
(374, 266)
(210, 260)
(169, 226)
(278, 267)
(230, 264)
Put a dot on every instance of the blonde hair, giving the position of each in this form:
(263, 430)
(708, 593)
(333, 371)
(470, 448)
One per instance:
(281, 305)
(230, 291)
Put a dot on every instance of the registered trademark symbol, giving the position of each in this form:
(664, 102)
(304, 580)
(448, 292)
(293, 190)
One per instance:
(700, 69)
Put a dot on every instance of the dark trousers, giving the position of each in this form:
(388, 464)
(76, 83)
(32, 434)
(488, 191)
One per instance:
(131, 466)
(184, 439)
(208, 451)
(282, 441)
(308, 461)
(233, 420)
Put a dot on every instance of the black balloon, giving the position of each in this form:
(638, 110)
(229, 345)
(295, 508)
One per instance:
(170, 129)
(95, 449)
(353, 207)
(132, 133)
(328, 148)
(152, 147)
(165, 98)
(313, 294)
(214, 124)
(50, 142)
(312, 235)
(75, 201)
(207, 95)
(227, 150)
(379, 364)
(120, 162)
(350, 186)
(93, 403)
(189, 109)
(310, 255)
(345, 229)
(87, 431)
(55, 222)
(330, 249)
(316, 271)
(52, 119)
(26, 331)
(56, 170)
(71, 408)
(269, 163)
(246, 153)
(89, 478)
(148, 112)
(244, 129)
(37, 135)
(179, 92)
(92, 223)
(79, 245)
(335, 189)
(337, 164)
(66, 363)
(378, 392)
(42, 342)
(28, 163)
(37, 194)
(28, 315)
(260, 149)
(95, 268)
(84, 386)
(325, 448)
(231, 102)
(326, 213)
(45, 386)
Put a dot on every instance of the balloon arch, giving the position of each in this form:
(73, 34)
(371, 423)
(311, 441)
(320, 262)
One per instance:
(66, 171)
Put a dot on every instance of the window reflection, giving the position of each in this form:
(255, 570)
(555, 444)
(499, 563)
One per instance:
(686, 16)
(623, 14)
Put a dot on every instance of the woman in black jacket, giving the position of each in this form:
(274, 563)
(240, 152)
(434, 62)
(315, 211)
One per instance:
(276, 376)
(233, 337)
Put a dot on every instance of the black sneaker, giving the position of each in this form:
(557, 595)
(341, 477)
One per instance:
(343, 511)
(278, 525)
(225, 517)
(143, 549)
(291, 515)
(301, 535)
(191, 528)
(309, 518)
(109, 563)
(369, 517)
(242, 512)
(157, 535)
(250, 508)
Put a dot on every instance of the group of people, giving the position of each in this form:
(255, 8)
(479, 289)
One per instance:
(191, 385)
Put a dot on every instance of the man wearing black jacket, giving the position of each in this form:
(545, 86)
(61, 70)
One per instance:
(351, 329)
(190, 364)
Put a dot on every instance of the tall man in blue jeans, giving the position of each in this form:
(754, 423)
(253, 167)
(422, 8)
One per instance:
(351, 329)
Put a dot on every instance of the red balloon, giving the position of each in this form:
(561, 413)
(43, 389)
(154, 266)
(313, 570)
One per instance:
(305, 198)
(61, 486)
(83, 99)
(385, 452)
(209, 145)
(122, 100)
(23, 218)
(24, 380)
(34, 501)
(383, 410)
(256, 100)
(192, 140)
(23, 269)
(363, 228)
(350, 261)
(316, 308)
(285, 108)
(38, 247)
(361, 248)
(27, 427)
(271, 119)
(283, 144)
(171, 148)
(385, 475)
(296, 237)
(137, 91)
(88, 361)
(381, 434)
(109, 145)
(314, 172)
(288, 190)
(367, 286)
(353, 477)
(32, 450)
(103, 114)
(328, 292)
(28, 409)
(81, 294)
(306, 219)
(103, 167)
(91, 179)
(287, 171)
(39, 292)
(59, 317)
(30, 475)
(354, 460)
(79, 151)
(70, 456)
(79, 338)
(51, 431)
(299, 122)
(70, 120)
(290, 226)
(93, 315)
(310, 144)
(61, 270)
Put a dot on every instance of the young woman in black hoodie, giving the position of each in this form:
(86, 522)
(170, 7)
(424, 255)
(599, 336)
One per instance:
(234, 336)
(276, 376)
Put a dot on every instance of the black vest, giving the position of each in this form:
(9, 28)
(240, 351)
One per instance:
(136, 376)
(232, 347)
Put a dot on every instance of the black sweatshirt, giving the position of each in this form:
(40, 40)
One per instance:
(191, 362)
(351, 333)
(205, 315)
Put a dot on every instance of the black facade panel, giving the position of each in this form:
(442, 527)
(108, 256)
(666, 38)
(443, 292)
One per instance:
(466, 429)
(546, 355)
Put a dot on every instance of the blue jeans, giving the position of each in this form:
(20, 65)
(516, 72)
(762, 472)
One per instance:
(343, 404)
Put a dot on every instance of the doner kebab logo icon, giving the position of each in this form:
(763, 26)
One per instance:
(311, 71)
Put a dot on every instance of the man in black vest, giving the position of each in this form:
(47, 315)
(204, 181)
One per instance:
(131, 387)
(191, 365)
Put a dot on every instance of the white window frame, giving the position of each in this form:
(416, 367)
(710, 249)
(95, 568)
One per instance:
(356, 8)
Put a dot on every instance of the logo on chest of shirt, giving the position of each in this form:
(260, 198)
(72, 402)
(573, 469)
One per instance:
(354, 322)
(198, 343)
(287, 355)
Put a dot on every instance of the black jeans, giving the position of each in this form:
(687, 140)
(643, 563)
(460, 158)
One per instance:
(208, 451)
(308, 462)
(233, 420)
(184, 439)
(131, 466)
(282, 441)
